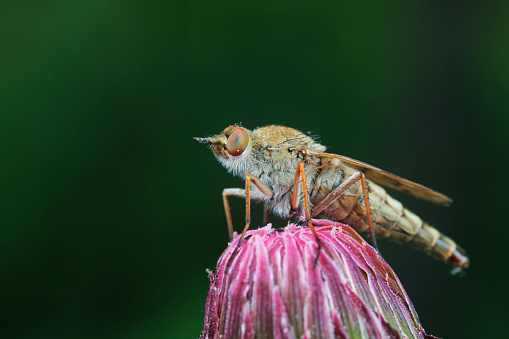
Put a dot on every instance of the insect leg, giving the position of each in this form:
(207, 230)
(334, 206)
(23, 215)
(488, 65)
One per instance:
(265, 213)
(338, 191)
(266, 191)
(235, 192)
(368, 211)
(294, 203)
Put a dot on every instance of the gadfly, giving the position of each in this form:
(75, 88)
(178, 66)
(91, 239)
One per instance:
(293, 175)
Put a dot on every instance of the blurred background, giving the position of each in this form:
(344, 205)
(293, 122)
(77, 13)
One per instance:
(110, 212)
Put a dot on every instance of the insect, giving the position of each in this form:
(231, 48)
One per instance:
(293, 175)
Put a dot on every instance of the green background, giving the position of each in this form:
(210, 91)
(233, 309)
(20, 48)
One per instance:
(110, 212)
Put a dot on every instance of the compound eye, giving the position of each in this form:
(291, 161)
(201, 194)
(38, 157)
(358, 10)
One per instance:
(237, 142)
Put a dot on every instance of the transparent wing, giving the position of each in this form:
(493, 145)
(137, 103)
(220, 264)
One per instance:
(390, 180)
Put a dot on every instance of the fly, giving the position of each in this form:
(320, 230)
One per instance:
(294, 176)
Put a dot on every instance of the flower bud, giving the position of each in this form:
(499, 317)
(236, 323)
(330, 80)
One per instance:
(273, 290)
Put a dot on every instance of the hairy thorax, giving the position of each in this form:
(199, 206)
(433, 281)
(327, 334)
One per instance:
(276, 151)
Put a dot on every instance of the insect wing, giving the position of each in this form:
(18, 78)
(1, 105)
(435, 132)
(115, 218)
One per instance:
(390, 180)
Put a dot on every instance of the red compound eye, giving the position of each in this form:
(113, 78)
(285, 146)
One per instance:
(237, 142)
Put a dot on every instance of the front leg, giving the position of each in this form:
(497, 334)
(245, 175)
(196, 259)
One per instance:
(264, 189)
(237, 192)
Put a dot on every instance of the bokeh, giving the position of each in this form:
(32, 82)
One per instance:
(110, 212)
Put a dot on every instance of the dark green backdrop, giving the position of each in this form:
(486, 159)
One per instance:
(110, 212)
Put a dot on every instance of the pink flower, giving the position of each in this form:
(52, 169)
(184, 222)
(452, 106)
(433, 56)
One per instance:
(272, 290)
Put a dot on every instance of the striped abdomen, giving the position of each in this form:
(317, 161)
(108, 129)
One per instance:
(390, 219)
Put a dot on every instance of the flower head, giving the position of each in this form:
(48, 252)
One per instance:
(273, 290)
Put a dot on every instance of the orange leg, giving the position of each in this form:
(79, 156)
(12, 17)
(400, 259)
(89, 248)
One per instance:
(265, 214)
(236, 192)
(338, 191)
(264, 189)
(294, 203)
(226, 193)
